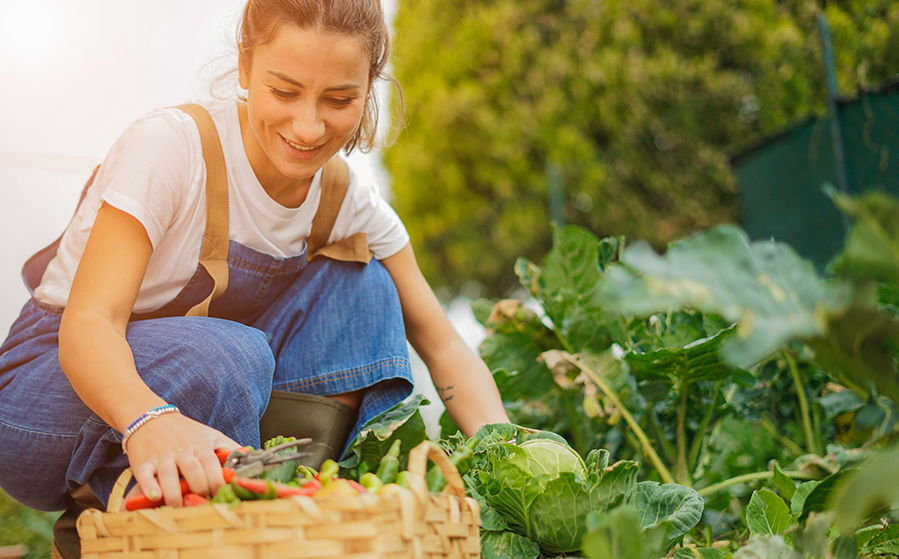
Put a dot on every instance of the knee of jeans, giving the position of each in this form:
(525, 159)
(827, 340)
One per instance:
(354, 277)
(373, 283)
(213, 367)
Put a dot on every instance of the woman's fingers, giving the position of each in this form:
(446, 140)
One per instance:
(194, 473)
(212, 469)
(170, 481)
(145, 476)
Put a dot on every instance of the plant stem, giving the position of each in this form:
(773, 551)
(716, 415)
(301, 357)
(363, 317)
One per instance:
(648, 450)
(714, 488)
(667, 449)
(682, 470)
(810, 441)
(622, 323)
(767, 425)
(706, 419)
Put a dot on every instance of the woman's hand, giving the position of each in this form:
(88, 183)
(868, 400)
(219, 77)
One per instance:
(172, 447)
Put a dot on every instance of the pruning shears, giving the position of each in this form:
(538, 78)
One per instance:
(251, 463)
(241, 462)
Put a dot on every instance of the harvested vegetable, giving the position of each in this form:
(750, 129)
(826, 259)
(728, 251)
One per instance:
(389, 466)
(544, 490)
(402, 479)
(328, 472)
(194, 500)
(390, 489)
(340, 487)
(226, 495)
(371, 482)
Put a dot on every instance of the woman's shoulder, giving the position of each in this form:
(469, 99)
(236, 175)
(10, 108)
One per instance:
(164, 136)
(362, 189)
(168, 121)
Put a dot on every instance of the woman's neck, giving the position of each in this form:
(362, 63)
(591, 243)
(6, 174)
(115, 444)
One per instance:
(287, 191)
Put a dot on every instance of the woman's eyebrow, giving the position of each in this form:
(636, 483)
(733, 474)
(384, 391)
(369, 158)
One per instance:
(292, 81)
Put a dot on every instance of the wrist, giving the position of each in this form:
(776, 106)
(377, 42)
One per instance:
(145, 418)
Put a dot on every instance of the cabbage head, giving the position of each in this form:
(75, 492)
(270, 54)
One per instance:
(544, 489)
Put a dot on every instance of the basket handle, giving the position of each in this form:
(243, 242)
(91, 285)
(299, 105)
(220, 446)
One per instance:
(117, 496)
(418, 463)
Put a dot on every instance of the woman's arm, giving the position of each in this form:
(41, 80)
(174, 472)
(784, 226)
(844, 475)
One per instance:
(96, 358)
(462, 379)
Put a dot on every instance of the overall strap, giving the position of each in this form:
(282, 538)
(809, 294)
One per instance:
(335, 182)
(214, 254)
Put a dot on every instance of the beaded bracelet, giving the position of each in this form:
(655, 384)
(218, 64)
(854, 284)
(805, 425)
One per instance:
(144, 419)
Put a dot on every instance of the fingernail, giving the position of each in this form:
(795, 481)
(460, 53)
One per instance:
(153, 494)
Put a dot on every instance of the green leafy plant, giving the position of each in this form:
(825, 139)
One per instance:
(711, 360)
(544, 490)
(536, 486)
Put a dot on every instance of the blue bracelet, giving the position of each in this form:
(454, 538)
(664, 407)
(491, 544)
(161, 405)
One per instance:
(143, 419)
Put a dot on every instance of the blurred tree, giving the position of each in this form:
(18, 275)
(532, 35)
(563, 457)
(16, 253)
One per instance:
(632, 104)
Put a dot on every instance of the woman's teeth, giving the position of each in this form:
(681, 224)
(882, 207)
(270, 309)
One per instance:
(299, 147)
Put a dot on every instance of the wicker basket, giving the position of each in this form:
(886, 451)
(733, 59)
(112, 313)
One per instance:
(410, 523)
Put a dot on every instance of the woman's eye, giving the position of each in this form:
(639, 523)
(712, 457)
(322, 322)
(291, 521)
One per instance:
(341, 102)
(281, 94)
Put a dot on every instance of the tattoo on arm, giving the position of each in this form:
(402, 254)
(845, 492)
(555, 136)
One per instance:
(443, 390)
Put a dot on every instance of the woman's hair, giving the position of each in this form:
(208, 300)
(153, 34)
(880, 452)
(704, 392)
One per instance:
(356, 18)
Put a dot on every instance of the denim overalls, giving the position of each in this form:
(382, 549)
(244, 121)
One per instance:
(319, 327)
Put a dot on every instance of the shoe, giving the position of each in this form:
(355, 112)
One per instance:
(324, 420)
(66, 543)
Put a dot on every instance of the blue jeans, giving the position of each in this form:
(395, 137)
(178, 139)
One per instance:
(323, 328)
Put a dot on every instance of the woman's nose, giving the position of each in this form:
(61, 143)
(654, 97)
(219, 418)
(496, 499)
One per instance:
(308, 124)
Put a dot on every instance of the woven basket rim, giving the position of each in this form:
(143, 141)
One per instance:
(447, 521)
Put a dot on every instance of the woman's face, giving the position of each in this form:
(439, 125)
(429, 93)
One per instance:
(306, 94)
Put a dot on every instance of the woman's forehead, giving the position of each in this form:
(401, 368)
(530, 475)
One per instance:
(295, 50)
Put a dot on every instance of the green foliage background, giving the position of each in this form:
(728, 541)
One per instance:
(22, 526)
(634, 105)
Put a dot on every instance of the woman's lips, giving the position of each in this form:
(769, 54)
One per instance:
(300, 151)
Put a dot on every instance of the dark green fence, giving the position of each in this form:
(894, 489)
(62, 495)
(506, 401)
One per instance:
(781, 180)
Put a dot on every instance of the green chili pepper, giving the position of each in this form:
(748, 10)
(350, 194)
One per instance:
(328, 472)
(371, 482)
(402, 479)
(226, 495)
(390, 463)
(305, 472)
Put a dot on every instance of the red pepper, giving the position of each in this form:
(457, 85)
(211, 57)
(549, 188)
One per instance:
(262, 487)
(194, 500)
(309, 488)
(143, 502)
(357, 486)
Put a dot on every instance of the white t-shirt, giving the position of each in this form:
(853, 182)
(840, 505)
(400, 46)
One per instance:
(156, 173)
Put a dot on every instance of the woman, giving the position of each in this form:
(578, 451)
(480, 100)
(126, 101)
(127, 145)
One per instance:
(103, 351)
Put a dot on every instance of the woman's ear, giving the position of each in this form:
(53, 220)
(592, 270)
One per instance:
(243, 70)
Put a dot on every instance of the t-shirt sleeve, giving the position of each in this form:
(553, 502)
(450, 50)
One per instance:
(365, 210)
(149, 168)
